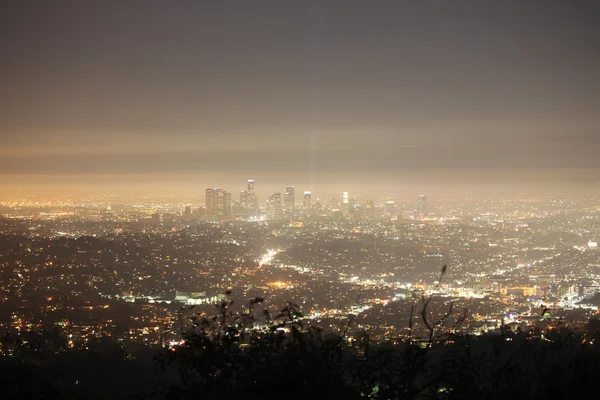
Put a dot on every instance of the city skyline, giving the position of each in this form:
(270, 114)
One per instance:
(319, 199)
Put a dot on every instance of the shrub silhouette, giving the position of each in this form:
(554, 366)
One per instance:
(224, 358)
(257, 353)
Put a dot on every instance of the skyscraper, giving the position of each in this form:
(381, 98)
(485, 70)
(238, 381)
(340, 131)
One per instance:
(253, 198)
(390, 208)
(218, 204)
(307, 200)
(249, 200)
(289, 198)
(422, 207)
(274, 207)
(211, 202)
(345, 203)
(237, 210)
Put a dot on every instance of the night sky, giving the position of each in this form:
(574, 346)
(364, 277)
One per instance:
(187, 94)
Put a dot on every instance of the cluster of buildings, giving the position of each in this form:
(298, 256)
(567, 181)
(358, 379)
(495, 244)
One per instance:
(220, 206)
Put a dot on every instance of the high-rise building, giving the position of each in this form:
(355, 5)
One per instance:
(345, 203)
(218, 204)
(211, 202)
(307, 200)
(390, 207)
(422, 207)
(253, 198)
(289, 198)
(237, 210)
(225, 205)
(274, 207)
(249, 200)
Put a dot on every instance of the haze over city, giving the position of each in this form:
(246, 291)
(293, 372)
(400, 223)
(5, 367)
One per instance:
(321, 199)
(128, 98)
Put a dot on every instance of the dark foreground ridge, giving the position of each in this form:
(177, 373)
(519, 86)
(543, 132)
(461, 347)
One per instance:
(225, 357)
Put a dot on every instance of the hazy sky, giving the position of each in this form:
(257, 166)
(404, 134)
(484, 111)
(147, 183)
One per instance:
(305, 92)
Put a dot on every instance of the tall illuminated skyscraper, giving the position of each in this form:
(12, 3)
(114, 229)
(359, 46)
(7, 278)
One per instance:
(249, 199)
(422, 207)
(289, 198)
(345, 203)
(253, 197)
(307, 200)
(211, 202)
(274, 207)
(218, 204)
(225, 205)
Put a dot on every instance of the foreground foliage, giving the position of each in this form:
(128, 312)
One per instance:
(222, 359)
(226, 356)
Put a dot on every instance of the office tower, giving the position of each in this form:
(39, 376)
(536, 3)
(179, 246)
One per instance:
(358, 212)
(253, 198)
(245, 208)
(249, 200)
(370, 209)
(390, 207)
(289, 198)
(274, 207)
(307, 200)
(422, 207)
(237, 210)
(225, 205)
(211, 202)
(218, 204)
(345, 203)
